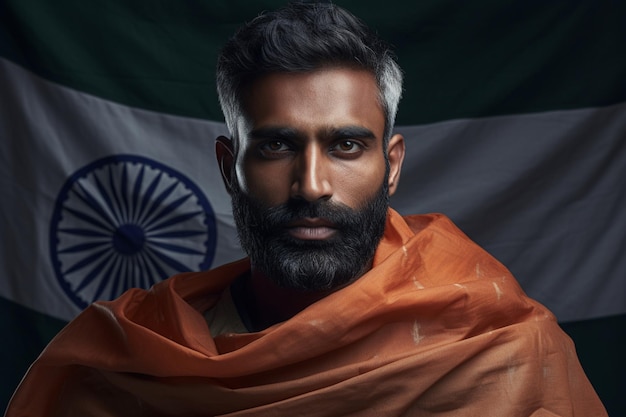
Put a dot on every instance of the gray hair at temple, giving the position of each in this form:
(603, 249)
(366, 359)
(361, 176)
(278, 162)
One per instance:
(303, 37)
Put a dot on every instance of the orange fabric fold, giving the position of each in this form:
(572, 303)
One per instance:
(437, 328)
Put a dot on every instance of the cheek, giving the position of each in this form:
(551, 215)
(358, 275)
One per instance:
(265, 182)
(356, 185)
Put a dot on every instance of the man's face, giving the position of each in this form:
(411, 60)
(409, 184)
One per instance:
(310, 181)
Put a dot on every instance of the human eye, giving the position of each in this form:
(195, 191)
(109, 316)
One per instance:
(274, 149)
(347, 148)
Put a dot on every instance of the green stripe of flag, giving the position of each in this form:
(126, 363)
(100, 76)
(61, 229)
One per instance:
(462, 59)
(24, 339)
(487, 58)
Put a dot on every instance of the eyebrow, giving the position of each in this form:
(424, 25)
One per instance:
(335, 133)
(350, 132)
(274, 132)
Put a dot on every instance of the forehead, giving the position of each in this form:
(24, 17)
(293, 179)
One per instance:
(328, 97)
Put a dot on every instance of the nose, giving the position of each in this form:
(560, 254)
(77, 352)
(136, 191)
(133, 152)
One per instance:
(311, 181)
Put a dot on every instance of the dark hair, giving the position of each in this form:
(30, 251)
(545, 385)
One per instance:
(302, 37)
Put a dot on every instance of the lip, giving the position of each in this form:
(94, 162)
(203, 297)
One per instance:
(311, 229)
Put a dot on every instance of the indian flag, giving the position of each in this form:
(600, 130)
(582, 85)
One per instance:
(514, 115)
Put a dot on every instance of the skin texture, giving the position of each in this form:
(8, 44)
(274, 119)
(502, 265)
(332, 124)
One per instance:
(309, 136)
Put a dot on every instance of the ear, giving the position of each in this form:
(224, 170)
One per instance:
(225, 160)
(395, 153)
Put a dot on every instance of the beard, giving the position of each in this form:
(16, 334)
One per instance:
(310, 265)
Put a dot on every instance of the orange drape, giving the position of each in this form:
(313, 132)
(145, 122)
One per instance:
(437, 328)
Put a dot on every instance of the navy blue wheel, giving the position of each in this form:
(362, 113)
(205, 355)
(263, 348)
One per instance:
(127, 221)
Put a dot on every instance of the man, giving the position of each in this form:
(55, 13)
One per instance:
(343, 307)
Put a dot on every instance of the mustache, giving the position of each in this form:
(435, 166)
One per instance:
(338, 214)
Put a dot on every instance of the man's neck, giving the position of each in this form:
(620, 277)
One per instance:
(268, 303)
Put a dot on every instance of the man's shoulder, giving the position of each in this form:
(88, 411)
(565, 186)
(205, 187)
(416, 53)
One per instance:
(442, 251)
(432, 221)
